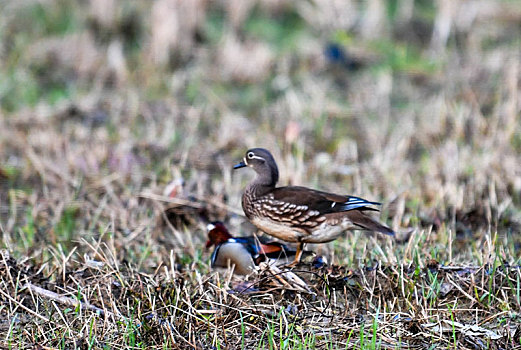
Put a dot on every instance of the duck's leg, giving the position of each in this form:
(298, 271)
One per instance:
(298, 255)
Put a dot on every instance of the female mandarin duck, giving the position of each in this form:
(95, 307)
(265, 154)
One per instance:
(300, 214)
(243, 252)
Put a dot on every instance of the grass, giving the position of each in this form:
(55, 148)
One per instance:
(102, 106)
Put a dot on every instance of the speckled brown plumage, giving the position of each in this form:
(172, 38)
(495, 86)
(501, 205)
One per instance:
(300, 214)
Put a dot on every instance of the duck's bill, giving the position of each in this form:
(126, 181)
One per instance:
(239, 165)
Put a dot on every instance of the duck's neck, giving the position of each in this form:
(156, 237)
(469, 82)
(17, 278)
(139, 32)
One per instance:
(259, 190)
(261, 186)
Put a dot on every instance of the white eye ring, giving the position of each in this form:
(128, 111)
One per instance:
(251, 155)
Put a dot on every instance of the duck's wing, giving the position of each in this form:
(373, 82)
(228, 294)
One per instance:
(260, 246)
(307, 208)
(360, 219)
(291, 197)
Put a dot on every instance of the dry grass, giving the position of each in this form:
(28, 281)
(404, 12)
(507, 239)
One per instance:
(104, 103)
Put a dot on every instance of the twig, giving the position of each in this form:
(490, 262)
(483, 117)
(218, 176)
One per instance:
(459, 268)
(23, 306)
(289, 276)
(193, 204)
(177, 201)
(220, 205)
(64, 300)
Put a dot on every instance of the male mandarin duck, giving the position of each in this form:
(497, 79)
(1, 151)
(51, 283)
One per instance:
(299, 214)
(244, 252)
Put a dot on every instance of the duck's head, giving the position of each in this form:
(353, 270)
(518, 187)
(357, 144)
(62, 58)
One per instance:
(261, 160)
(217, 234)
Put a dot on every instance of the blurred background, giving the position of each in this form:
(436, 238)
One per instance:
(104, 102)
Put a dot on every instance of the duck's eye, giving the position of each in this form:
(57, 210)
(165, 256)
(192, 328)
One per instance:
(250, 155)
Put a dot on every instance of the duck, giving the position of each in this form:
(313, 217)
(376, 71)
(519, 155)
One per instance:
(244, 252)
(299, 214)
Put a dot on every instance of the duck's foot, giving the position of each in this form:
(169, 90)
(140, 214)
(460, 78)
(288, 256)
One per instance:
(298, 255)
(292, 264)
